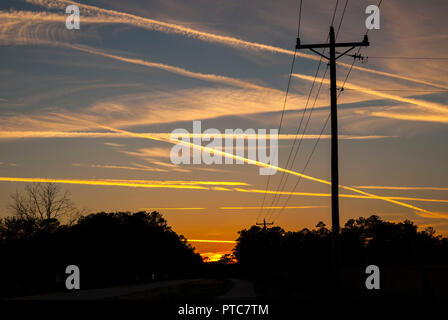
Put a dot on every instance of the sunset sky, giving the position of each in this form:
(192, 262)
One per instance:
(92, 109)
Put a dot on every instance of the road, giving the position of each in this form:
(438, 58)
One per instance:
(97, 294)
(241, 290)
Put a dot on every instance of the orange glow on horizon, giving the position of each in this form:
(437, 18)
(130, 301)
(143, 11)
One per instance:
(213, 256)
(213, 241)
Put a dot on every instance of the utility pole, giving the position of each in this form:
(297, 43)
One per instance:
(264, 224)
(335, 270)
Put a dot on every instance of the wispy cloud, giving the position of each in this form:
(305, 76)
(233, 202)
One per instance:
(73, 134)
(165, 27)
(403, 188)
(116, 183)
(11, 164)
(113, 144)
(431, 106)
(109, 166)
(149, 153)
(408, 114)
(183, 182)
(99, 15)
(195, 185)
(57, 134)
(169, 165)
(173, 69)
(200, 185)
(436, 215)
(221, 189)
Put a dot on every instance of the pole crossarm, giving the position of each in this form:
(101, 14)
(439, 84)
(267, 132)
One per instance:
(264, 224)
(364, 43)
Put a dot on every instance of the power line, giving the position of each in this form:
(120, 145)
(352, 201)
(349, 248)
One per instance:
(326, 122)
(278, 194)
(410, 58)
(280, 127)
(342, 18)
(334, 12)
(309, 158)
(304, 168)
(335, 220)
(282, 182)
(358, 53)
(298, 148)
(284, 102)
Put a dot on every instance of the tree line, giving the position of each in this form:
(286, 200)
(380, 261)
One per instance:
(109, 248)
(363, 241)
(46, 233)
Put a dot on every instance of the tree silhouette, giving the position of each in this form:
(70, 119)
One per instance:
(362, 240)
(109, 248)
(43, 203)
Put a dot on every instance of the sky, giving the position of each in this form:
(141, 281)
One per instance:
(92, 110)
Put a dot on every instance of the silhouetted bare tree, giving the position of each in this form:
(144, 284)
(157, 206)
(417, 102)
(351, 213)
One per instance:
(44, 203)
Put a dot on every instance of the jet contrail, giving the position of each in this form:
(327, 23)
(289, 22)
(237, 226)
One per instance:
(425, 104)
(103, 183)
(194, 185)
(182, 182)
(248, 161)
(402, 188)
(173, 69)
(77, 134)
(133, 183)
(354, 196)
(171, 28)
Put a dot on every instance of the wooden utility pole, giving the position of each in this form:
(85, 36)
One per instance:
(264, 224)
(332, 45)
